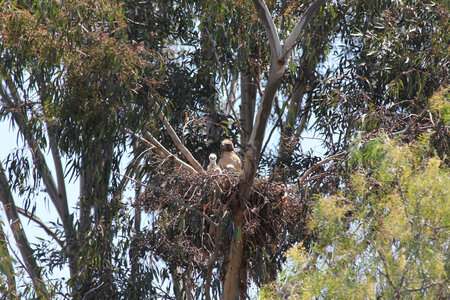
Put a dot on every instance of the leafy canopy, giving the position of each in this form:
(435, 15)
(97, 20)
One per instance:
(386, 235)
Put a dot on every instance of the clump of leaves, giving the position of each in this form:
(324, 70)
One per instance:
(385, 236)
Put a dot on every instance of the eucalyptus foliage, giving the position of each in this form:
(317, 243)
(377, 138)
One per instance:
(385, 236)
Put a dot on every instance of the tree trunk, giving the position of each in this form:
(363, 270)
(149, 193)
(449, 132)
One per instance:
(279, 54)
(248, 100)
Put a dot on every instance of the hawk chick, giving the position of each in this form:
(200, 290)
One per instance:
(229, 157)
(213, 167)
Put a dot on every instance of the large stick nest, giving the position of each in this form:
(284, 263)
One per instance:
(274, 219)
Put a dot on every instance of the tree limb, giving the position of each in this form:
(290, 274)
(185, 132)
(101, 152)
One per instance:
(40, 223)
(176, 199)
(292, 40)
(318, 164)
(187, 154)
(20, 237)
(271, 31)
(38, 157)
(152, 143)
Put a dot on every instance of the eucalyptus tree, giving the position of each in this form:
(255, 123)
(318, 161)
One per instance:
(167, 81)
(68, 73)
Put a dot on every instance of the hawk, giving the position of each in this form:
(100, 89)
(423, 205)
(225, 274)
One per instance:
(229, 158)
(213, 167)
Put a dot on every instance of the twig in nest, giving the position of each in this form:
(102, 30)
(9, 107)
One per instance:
(176, 199)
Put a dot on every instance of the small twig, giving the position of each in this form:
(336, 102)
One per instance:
(176, 199)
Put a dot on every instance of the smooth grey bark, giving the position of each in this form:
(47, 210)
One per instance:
(279, 56)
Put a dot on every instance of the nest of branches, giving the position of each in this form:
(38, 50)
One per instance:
(194, 219)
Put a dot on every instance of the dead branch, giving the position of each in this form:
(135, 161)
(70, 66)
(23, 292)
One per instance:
(152, 143)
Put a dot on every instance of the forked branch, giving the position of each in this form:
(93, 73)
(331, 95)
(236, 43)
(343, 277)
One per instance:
(152, 143)
(186, 153)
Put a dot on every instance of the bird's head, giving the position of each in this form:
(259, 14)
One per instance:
(227, 146)
(212, 157)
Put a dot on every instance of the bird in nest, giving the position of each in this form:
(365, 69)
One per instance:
(229, 160)
(213, 167)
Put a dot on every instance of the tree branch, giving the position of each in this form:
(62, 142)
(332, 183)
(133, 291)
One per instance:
(187, 154)
(20, 237)
(271, 31)
(176, 199)
(292, 40)
(38, 158)
(152, 143)
(40, 223)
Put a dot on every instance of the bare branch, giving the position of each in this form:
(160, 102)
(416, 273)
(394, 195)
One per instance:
(152, 143)
(318, 164)
(292, 40)
(41, 224)
(187, 154)
(176, 199)
(271, 30)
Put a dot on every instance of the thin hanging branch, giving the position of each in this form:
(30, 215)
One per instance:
(229, 97)
(212, 261)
